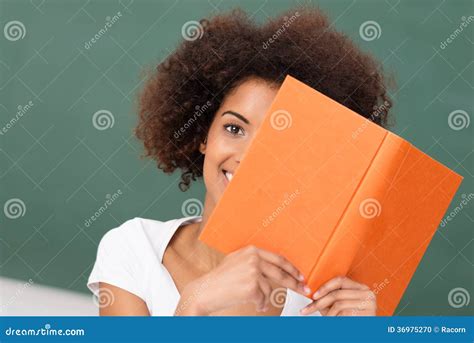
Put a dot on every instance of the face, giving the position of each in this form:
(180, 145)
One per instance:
(233, 128)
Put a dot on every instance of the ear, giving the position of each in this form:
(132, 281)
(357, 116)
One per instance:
(203, 146)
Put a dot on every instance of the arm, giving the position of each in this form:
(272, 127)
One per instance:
(115, 301)
(188, 305)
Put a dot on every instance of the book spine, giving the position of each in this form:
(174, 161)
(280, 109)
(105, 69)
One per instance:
(361, 215)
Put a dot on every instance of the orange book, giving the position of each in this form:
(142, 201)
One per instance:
(335, 194)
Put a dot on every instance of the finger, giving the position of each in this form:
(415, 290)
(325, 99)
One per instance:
(311, 308)
(266, 290)
(329, 299)
(324, 311)
(338, 283)
(338, 295)
(281, 262)
(355, 307)
(282, 278)
(255, 294)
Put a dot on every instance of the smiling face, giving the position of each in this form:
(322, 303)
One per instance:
(233, 128)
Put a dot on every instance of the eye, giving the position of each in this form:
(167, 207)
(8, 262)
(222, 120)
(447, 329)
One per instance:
(234, 129)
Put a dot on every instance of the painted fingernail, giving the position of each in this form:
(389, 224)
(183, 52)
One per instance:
(300, 277)
(307, 290)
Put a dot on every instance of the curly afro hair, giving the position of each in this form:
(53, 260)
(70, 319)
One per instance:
(180, 97)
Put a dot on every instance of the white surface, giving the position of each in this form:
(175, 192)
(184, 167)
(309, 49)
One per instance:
(24, 298)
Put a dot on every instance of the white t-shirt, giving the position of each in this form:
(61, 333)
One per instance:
(130, 257)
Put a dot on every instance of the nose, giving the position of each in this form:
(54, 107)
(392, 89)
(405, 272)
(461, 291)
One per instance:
(242, 150)
(238, 157)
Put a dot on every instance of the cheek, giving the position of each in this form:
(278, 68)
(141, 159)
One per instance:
(208, 170)
(219, 147)
(211, 176)
(213, 157)
(219, 150)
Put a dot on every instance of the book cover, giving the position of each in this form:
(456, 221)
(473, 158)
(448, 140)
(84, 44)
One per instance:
(335, 194)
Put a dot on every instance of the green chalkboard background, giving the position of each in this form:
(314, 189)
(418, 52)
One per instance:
(59, 169)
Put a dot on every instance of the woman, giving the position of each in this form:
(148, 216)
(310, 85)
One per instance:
(198, 113)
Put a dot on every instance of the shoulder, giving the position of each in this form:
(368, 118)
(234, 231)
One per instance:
(131, 229)
(122, 238)
(126, 253)
(139, 240)
(140, 236)
(138, 228)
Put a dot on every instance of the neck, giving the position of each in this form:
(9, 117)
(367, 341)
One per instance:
(213, 256)
(209, 206)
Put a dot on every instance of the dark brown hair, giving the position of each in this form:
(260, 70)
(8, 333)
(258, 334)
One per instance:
(180, 98)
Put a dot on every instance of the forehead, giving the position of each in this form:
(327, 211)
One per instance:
(251, 98)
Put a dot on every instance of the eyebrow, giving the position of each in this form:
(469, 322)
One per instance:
(241, 117)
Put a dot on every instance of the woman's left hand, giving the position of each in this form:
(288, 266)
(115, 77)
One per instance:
(342, 296)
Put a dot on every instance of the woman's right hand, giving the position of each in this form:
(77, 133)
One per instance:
(244, 276)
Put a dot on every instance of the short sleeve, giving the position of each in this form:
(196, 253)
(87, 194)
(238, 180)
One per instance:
(119, 263)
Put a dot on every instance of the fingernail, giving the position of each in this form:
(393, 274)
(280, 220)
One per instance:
(301, 277)
(316, 294)
(307, 290)
(303, 311)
